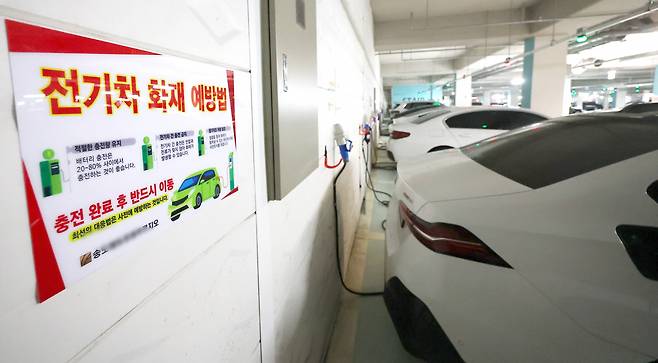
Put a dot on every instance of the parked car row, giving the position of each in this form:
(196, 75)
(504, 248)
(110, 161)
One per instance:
(538, 244)
(451, 127)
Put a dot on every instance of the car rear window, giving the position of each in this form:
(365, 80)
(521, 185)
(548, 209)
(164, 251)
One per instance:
(552, 151)
(417, 110)
(418, 104)
(430, 114)
(493, 120)
(641, 108)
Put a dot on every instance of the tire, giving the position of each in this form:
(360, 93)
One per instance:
(217, 191)
(197, 201)
(173, 218)
(439, 148)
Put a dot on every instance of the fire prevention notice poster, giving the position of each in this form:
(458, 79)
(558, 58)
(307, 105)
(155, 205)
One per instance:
(116, 143)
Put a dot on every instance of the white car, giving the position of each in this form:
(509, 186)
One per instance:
(452, 127)
(538, 245)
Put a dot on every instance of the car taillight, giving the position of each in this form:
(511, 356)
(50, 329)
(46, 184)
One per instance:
(399, 134)
(450, 239)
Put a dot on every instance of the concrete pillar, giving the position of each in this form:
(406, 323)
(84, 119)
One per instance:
(655, 81)
(463, 88)
(566, 95)
(486, 98)
(516, 96)
(437, 93)
(528, 63)
(621, 96)
(606, 100)
(549, 86)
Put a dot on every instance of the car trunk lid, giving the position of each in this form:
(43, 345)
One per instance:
(450, 175)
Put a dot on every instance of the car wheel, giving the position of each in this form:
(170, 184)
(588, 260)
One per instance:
(173, 218)
(439, 148)
(217, 190)
(197, 201)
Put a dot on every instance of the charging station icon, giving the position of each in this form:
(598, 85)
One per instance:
(51, 177)
(231, 176)
(201, 143)
(147, 154)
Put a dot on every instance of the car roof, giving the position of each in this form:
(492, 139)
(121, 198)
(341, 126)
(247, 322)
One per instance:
(618, 116)
(640, 107)
(444, 112)
(199, 172)
(577, 144)
(424, 108)
(487, 108)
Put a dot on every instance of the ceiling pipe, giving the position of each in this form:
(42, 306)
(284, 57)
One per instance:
(413, 51)
(514, 61)
(621, 59)
(515, 22)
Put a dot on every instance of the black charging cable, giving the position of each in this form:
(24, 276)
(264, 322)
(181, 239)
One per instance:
(371, 185)
(338, 263)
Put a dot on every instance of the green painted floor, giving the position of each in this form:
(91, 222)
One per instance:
(364, 332)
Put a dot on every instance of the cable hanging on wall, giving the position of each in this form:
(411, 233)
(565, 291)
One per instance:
(345, 146)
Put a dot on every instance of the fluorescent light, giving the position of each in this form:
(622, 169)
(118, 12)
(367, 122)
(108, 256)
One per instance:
(578, 70)
(517, 81)
(612, 74)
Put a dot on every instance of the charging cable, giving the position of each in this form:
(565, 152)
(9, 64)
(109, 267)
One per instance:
(371, 185)
(342, 143)
(326, 162)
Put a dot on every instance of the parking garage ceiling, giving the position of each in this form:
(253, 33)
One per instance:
(386, 10)
(430, 39)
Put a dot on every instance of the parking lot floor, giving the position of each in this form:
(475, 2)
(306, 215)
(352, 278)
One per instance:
(364, 332)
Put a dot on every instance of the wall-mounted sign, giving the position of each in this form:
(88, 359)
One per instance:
(116, 142)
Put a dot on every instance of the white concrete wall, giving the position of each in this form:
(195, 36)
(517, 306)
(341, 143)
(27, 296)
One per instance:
(463, 89)
(299, 283)
(195, 296)
(188, 295)
(549, 77)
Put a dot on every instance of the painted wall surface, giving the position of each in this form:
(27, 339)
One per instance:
(549, 74)
(463, 89)
(528, 66)
(655, 81)
(415, 92)
(191, 295)
(300, 289)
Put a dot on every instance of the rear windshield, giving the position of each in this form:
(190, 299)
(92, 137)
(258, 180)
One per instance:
(641, 108)
(418, 104)
(428, 115)
(552, 151)
(493, 120)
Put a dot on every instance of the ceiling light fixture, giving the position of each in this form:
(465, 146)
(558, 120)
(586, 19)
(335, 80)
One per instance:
(612, 74)
(578, 70)
(517, 81)
(582, 36)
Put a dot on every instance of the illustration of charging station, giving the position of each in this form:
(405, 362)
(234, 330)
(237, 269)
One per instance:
(201, 142)
(194, 189)
(51, 177)
(147, 154)
(231, 178)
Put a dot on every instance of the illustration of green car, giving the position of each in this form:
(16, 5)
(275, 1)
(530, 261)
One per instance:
(193, 191)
